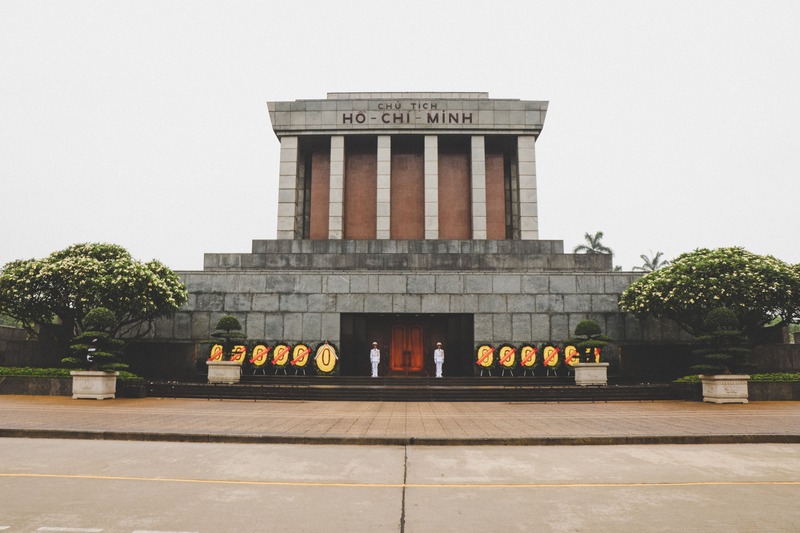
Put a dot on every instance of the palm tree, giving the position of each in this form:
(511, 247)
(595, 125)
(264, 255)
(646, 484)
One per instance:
(593, 245)
(652, 263)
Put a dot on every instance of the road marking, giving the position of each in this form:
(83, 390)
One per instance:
(396, 485)
(74, 529)
(159, 531)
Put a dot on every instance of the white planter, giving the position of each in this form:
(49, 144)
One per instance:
(224, 371)
(591, 374)
(93, 384)
(725, 388)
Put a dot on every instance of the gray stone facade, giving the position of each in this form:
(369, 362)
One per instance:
(429, 115)
(465, 112)
(302, 298)
(414, 288)
(433, 255)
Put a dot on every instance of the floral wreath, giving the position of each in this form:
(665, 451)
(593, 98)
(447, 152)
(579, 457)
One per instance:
(281, 353)
(528, 354)
(551, 356)
(326, 359)
(300, 356)
(571, 355)
(215, 353)
(507, 357)
(259, 355)
(485, 356)
(238, 353)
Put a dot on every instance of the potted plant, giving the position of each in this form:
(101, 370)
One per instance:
(224, 369)
(724, 351)
(590, 342)
(96, 353)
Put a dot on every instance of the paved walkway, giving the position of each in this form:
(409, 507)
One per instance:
(434, 423)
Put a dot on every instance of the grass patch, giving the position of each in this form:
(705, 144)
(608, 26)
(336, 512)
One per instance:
(30, 372)
(780, 377)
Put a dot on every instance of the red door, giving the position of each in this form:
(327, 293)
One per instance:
(406, 352)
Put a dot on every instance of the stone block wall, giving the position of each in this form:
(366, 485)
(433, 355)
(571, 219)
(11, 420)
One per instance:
(776, 358)
(510, 307)
(420, 255)
(17, 350)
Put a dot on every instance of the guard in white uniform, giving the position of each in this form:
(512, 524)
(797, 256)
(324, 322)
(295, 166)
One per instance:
(375, 359)
(438, 358)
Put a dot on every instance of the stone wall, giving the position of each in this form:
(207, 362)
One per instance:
(10, 333)
(508, 307)
(17, 350)
(514, 292)
(776, 358)
(422, 255)
(36, 386)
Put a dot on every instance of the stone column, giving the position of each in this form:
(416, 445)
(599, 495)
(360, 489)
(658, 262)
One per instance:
(431, 187)
(528, 210)
(383, 217)
(288, 210)
(478, 177)
(336, 215)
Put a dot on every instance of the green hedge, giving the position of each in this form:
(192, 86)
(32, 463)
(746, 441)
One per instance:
(29, 372)
(782, 377)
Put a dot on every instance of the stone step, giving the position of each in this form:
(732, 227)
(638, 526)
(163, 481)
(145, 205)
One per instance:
(490, 390)
(419, 255)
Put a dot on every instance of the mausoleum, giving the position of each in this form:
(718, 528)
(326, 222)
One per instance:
(407, 219)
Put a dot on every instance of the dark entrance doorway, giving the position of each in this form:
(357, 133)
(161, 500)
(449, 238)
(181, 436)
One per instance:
(406, 342)
(405, 356)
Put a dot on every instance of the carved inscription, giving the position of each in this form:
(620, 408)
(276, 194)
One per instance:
(403, 112)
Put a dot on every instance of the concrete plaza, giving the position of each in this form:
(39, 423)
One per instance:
(169, 487)
(393, 423)
(434, 466)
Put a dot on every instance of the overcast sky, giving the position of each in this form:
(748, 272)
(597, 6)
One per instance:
(671, 126)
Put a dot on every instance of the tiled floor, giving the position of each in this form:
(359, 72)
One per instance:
(438, 421)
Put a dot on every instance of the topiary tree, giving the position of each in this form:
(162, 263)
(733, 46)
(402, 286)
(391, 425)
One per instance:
(228, 324)
(228, 328)
(589, 338)
(758, 289)
(723, 348)
(587, 328)
(96, 348)
(64, 286)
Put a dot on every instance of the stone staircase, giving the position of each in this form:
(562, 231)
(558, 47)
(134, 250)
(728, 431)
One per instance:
(413, 389)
